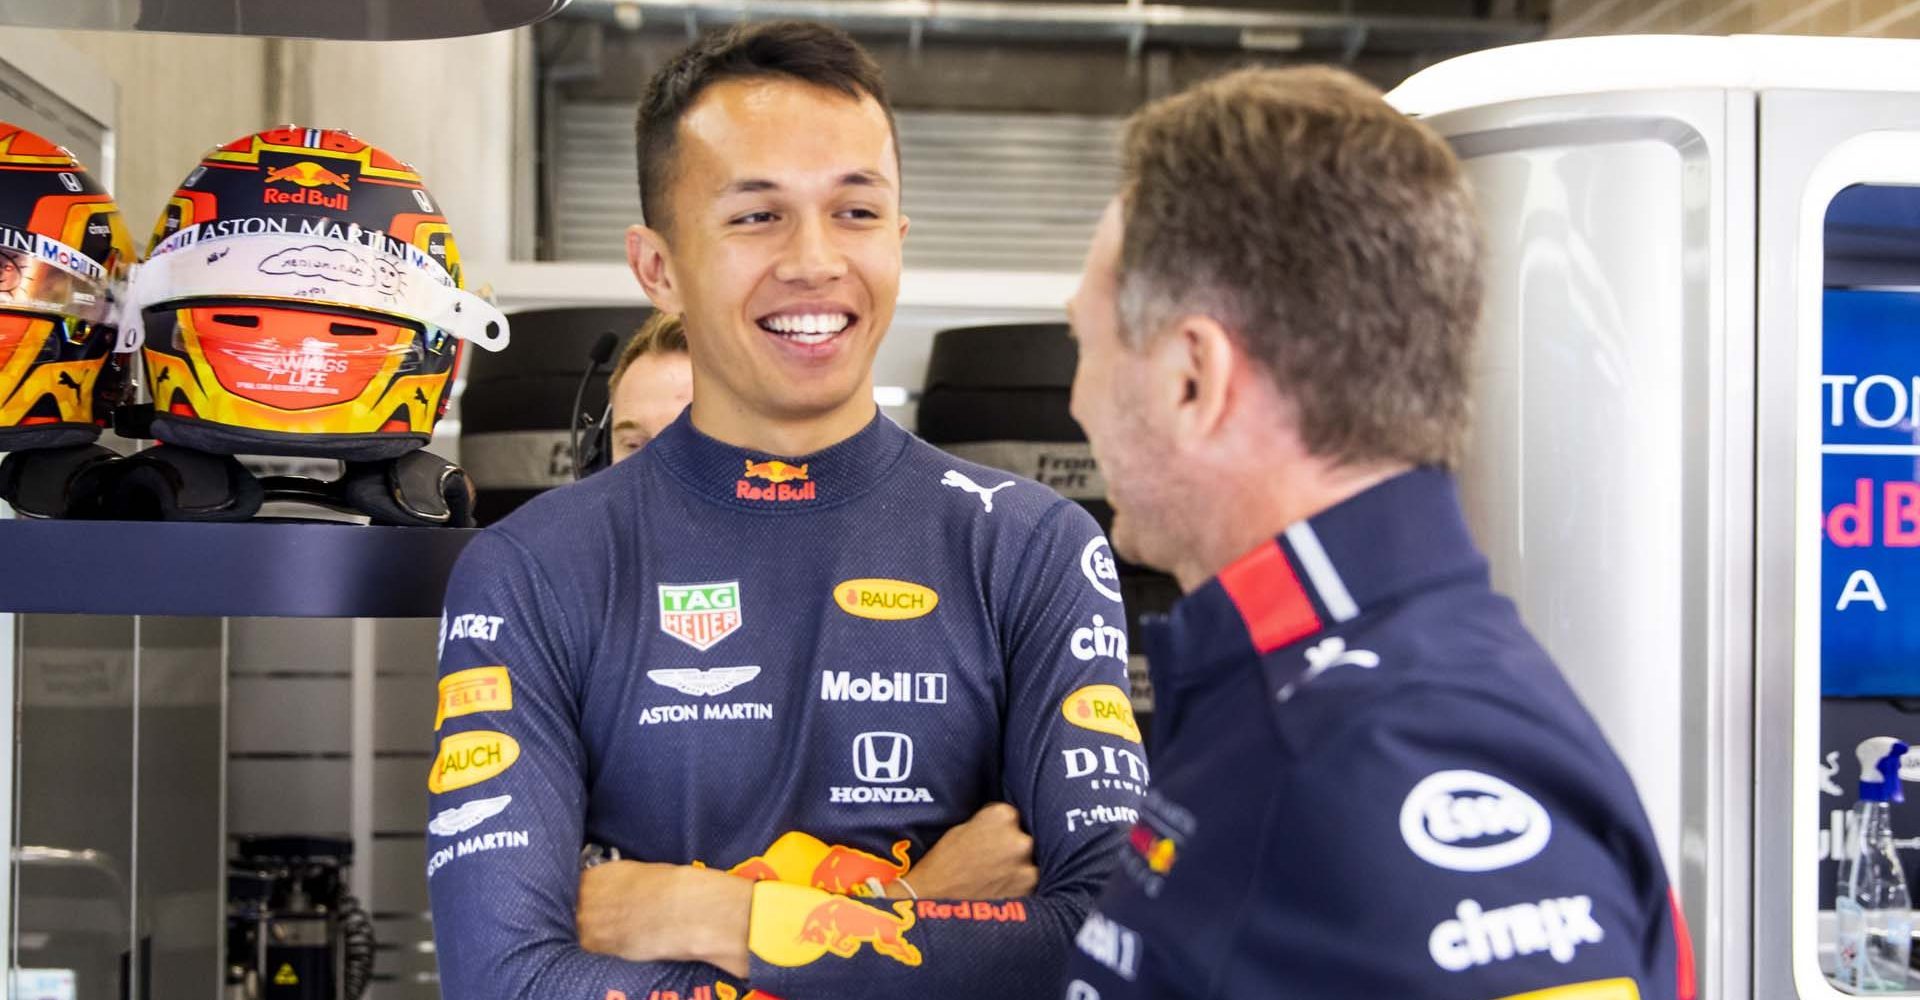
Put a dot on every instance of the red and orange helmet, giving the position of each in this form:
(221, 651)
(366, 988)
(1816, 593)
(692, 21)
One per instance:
(62, 244)
(302, 296)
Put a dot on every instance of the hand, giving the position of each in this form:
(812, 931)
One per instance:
(987, 857)
(665, 913)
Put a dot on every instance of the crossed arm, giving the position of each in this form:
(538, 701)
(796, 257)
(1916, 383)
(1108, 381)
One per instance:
(647, 912)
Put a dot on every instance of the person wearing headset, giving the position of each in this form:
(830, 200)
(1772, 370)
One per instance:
(849, 713)
(651, 383)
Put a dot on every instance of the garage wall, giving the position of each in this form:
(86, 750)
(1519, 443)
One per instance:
(177, 95)
(445, 106)
(1880, 18)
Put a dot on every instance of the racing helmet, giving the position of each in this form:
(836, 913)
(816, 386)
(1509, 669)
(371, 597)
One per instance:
(302, 296)
(62, 244)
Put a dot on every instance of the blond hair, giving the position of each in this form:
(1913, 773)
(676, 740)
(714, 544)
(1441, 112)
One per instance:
(662, 333)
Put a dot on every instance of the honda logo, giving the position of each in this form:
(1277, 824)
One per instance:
(882, 758)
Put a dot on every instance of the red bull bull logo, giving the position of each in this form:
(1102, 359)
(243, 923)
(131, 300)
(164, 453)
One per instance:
(801, 859)
(309, 178)
(795, 925)
(841, 926)
(1159, 852)
(780, 478)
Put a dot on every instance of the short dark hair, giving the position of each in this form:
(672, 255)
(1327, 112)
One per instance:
(1336, 238)
(799, 50)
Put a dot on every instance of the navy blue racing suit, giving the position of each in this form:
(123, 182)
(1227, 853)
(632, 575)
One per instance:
(1371, 781)
(802, 670)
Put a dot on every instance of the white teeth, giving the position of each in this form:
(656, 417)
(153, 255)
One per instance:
(809, 324)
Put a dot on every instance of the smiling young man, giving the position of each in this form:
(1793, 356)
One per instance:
(794, 664)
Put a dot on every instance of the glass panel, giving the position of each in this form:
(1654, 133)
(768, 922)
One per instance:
(1869, 580)
(182, 869)
(74, 801)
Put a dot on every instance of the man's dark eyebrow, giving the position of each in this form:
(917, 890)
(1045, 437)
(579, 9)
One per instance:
(627, 425)
(865, 178)
(750, 185)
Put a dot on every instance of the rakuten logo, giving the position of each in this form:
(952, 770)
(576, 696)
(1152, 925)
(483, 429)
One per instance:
(1481, 937)
(1465, 821)
(899, 686)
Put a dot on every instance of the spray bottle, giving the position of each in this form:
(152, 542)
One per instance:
(1870, 893)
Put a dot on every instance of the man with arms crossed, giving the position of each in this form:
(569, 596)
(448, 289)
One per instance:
(788, 653)
(1370, 781)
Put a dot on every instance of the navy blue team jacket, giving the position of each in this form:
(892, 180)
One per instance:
(1370, 781)
(802, 670)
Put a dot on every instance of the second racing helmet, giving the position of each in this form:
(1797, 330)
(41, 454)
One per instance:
(302, 295)
(62, 245)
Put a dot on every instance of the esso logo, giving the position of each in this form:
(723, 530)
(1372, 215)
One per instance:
(1466, 821)
(1096, 564)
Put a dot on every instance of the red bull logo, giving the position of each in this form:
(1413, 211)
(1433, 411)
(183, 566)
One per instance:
(801, 859)
(1159, 852)
(841, 926)
(1010, 912)
(794, 925)
(780, 478)
(776, 471)
(308, 177)
(718, 991)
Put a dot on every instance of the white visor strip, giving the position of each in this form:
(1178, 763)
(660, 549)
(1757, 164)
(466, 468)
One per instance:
(318, 270)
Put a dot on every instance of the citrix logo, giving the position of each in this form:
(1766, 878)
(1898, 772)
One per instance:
(1481, 937)
(1099, 639)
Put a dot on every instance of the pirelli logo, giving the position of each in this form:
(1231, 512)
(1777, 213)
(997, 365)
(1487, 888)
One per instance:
(480, 689)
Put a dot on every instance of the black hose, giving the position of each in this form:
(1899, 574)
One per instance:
(356, 931)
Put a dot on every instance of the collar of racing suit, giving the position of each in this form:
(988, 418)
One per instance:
(1402, 536)
(756, 480)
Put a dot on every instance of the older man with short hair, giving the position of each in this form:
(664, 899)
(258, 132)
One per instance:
(1370, 780)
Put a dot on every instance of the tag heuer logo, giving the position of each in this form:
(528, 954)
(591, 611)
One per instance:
(700, 614)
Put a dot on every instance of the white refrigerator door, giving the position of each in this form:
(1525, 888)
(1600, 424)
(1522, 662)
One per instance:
(1812, 146)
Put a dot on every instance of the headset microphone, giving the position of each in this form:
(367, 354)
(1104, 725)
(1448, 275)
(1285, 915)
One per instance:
(602, 353)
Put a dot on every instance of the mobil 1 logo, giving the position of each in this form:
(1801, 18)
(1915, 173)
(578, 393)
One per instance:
(898, 687)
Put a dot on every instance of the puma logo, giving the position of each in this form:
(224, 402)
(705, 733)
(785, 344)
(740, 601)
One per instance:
(1331, 652)
(960, 482)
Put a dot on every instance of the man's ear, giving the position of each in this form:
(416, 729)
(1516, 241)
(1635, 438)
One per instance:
(652, 264)
(1198, 358)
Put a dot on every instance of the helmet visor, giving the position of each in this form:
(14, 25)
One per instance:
(367, 271)
(39, 274)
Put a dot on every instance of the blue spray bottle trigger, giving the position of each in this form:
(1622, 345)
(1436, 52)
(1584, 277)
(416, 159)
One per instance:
(1882, 783)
